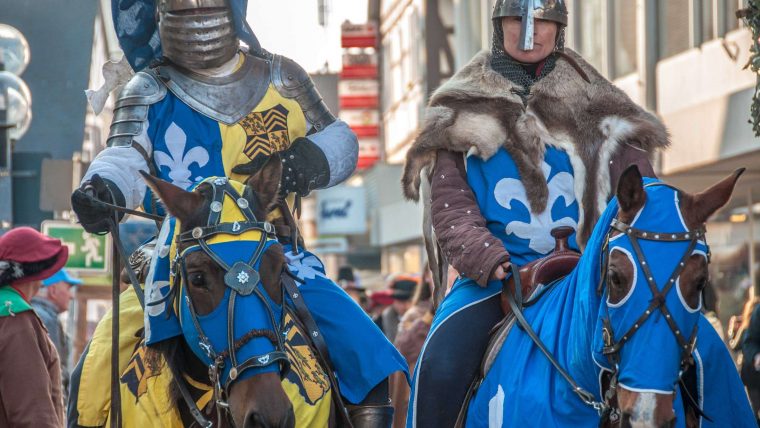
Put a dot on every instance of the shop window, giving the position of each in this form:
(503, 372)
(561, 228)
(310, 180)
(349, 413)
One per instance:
(673, 23)
(624, 28)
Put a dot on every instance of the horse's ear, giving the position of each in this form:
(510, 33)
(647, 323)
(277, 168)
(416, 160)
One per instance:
(703, 205)
(630, 190)
(180, 203)
(266, 182)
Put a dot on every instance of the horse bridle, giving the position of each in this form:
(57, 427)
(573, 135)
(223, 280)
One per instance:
(612, 348)
(242, 279)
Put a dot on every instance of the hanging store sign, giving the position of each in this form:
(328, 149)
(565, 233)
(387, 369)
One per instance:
(358, 35)
(369, 153)
(359, 94)
(364, 122)
(342, 210)
(359, 66)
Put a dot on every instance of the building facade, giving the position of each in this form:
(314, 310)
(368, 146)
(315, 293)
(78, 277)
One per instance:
(682, 59)
(68, 42)
(416, 55)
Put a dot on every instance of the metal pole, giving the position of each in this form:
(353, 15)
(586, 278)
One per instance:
(6, 148)
(752, 257)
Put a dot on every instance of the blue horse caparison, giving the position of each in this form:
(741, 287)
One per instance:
(523, 389)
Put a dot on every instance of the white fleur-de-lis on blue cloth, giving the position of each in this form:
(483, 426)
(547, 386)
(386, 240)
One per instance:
(496, 409)
(538, 228)
(177, 160)
(305, 265)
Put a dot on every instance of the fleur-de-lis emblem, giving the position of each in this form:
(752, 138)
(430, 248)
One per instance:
(538, 228)
(243, 278)
(264, 359)
(305, 266)
(177, 160)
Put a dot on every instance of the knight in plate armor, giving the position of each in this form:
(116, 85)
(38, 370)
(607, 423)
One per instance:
(202, 104)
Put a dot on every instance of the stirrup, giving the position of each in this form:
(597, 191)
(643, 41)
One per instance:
(372, 416)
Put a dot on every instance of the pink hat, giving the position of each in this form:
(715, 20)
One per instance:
(25, 245)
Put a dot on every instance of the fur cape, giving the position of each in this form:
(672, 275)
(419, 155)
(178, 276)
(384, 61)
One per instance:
(477, 112)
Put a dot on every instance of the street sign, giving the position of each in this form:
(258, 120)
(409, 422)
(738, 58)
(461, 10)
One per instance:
(342, 210)
(88, 253)
(358, 35)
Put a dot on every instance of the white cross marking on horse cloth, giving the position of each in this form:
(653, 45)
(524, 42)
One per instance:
(538, 228)
(496, 409)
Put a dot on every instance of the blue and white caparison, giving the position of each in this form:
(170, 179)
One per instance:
(522, 388)
(350, 335)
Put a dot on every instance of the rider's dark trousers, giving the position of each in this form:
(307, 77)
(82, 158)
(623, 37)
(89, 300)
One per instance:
(451, 360)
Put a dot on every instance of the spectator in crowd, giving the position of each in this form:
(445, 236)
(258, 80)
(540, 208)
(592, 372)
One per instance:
(402, 288)
(52, 300)
(750, 370)
(710, 309)
(379, 301)
(412, 331)
(30, 370)
(350, 283)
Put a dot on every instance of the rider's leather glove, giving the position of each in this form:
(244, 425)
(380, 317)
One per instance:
(87, 203)
(304, 167)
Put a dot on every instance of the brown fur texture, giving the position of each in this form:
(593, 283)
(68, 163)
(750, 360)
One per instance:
(476, 112)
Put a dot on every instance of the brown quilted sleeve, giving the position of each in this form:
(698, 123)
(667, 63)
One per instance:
(459, 226)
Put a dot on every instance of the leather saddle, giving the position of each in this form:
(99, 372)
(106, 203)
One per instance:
(557, 264)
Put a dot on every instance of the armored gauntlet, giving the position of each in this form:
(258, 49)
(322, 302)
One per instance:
(304, 167)
(88, 203)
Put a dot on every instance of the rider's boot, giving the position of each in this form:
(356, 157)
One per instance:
(375, 411)
(371, 416)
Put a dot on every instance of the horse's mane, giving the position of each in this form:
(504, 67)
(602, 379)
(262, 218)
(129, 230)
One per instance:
(174, 355)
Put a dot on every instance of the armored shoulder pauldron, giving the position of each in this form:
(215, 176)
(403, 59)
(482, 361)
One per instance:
(292, 81)
(131, 110)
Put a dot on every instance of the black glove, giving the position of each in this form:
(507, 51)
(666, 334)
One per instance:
(87, 202)
(304, 167)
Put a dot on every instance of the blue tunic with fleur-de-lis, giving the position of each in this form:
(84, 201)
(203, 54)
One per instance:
(502, 199)
(188, 147)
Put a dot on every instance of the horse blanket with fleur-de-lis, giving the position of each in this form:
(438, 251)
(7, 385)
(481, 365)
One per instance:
(188, 147)
(503, 201)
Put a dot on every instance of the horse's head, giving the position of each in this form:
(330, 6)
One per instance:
(657, 260)
(226, 270)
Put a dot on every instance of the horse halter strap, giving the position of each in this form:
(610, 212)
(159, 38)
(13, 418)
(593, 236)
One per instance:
(242, 279)
(611, 348)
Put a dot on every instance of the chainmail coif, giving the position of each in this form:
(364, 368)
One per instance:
(522, 75)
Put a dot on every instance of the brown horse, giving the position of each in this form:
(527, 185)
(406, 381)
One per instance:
(259, 400)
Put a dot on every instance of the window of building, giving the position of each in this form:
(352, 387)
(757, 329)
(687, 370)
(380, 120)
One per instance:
(587, 35)
(706, 12)
(674, 26)
(624, 32)
(732, 23)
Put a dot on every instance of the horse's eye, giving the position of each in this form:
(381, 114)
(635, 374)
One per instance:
(196, 279)
(613, 278)
(702, 283)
